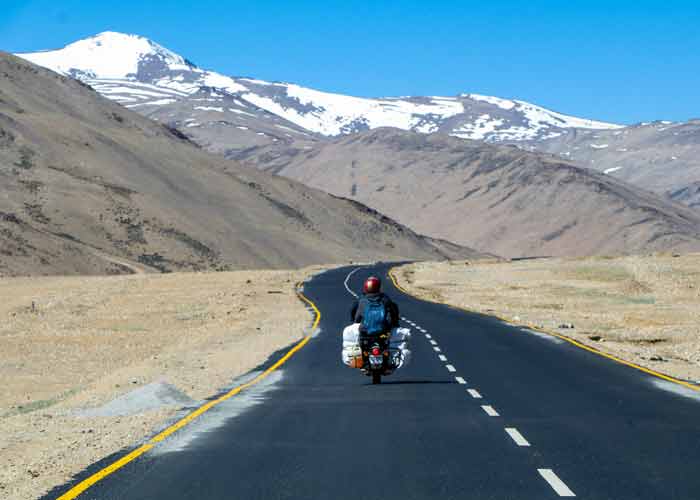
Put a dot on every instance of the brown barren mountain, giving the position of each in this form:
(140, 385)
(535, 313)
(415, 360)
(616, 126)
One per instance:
(663, 157)
(496, 198)
(90, 187)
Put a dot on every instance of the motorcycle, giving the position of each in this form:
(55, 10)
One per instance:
(376, 356)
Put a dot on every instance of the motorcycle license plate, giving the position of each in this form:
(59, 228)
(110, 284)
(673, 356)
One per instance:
(375, 360)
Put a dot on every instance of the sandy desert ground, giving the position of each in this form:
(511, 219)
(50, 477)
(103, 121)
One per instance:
(641, 308)
(72, 345)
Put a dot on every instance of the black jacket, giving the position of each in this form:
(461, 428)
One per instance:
(358, 307)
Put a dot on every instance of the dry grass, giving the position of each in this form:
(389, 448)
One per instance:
(642, 308)
(70, 343)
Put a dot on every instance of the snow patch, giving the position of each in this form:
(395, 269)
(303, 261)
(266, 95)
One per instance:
(611, 170)
(285, 128)
(496, 101)
(427, 128)
(483, 126)
(253, 80)
(238, 111)
(132, 92)
(209, 108)
(131, 84)
(539, 117)
(227, 83)
(333, 114)
(159, 102)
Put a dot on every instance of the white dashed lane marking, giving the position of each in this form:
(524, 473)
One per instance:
(490, 411)
(474, 393)
(548, 474)
(556, 483)
(517, 437)
(347, 278)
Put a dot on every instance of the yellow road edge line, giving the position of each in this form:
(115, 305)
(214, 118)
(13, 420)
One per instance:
(79, 488)
(84, 485)
(574, 342)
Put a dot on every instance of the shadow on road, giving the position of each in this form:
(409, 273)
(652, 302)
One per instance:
(417, 382)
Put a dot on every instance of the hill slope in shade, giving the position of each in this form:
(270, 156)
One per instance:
(89, 187)
(155, 81)
(499, 198)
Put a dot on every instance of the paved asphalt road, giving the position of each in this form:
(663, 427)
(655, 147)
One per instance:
(536, 418)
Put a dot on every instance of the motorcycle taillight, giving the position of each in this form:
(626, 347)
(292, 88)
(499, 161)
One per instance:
(376, 351)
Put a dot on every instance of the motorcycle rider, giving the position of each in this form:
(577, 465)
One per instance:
(372, 294)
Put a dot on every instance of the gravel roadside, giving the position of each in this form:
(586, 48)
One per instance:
(643, 309)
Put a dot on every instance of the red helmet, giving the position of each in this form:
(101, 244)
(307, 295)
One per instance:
(372, 285)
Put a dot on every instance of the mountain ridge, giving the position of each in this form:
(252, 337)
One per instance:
(661, 156)
(500, 197)
(140, 60)
(229, 115)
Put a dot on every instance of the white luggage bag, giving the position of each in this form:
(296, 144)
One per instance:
(398, 346)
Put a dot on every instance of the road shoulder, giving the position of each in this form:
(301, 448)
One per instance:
(641, 309)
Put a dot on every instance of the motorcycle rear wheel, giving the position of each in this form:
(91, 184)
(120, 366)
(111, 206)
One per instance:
(376, 378)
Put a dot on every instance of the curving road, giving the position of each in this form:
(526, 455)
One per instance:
(486, 411)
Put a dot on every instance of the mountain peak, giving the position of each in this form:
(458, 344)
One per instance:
(109, 54)
(112, 35)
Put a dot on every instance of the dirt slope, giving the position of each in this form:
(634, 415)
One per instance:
(496, 198)
(86, 182)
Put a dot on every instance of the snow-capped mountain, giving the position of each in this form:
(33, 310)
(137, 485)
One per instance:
(222, 111)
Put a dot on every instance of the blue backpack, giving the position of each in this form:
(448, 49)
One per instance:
(374, 316)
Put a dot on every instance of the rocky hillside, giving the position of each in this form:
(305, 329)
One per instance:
(90, 187)
(663, 157)
(498, 198)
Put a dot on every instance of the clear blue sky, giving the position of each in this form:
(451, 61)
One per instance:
(617, 60)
